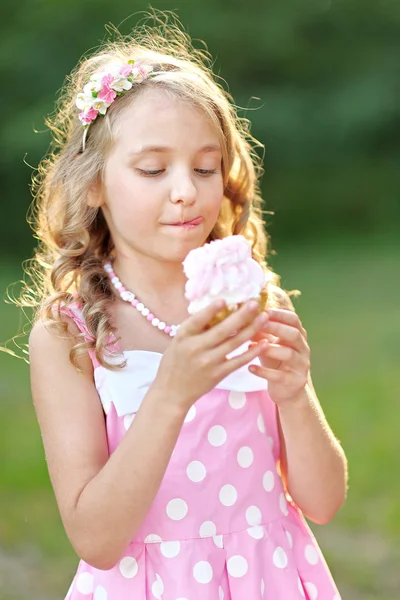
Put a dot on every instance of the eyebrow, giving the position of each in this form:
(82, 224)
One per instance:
(164, 149)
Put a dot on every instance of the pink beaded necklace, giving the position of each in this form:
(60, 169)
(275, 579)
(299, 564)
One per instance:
(131, 298)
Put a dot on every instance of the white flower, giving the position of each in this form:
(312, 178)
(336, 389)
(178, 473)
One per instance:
(100, 105)
(114, 69)
(92, 86)
(83, 101)
(120, 84)
(97, 77)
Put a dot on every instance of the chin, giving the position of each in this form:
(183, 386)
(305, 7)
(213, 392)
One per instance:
(177, 249)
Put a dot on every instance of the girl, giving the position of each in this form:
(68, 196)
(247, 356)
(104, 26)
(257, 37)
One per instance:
(180, 474)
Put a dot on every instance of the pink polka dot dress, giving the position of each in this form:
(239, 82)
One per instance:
(220, 526)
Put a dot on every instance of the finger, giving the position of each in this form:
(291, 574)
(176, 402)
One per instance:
(283, 354)
(273, 375)
(284, 316)
(232, 324)
(242, 336)
(198, 322)
(234, 363)
(288, 317)
(288, 335)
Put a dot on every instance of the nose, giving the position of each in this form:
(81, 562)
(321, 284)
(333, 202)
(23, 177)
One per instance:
(183, 191)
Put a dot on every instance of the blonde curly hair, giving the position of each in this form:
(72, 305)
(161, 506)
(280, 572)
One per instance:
(73, 237)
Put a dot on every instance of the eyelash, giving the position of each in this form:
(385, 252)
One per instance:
(203, 172)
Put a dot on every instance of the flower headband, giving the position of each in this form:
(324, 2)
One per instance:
(104, 87)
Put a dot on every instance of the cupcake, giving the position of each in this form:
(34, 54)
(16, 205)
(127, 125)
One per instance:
(224, 269)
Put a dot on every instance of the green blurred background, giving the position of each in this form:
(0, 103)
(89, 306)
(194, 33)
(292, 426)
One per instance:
(320, 81)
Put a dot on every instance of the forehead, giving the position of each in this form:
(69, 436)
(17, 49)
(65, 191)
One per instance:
(157, 117)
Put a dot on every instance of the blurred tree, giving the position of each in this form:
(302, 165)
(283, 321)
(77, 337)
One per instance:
(320, 80)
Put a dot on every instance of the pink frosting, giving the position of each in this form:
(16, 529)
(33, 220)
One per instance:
(222, 269)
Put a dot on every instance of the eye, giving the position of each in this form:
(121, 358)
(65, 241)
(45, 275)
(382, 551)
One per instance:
(206, 171)
(150, 173)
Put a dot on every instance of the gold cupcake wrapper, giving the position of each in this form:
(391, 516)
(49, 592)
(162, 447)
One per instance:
(228, 310)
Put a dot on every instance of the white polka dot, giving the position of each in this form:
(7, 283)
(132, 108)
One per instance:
(203, 572)
(84, 583)
(237, 566)
(158, 588)
(107, 406)
(262, 588)
(177, 509)
(311, 590)
(228, 495)
(260, 423)
(207, 529)
(283, 505)
(191, 414)
(289, 538)
(218, 541)
(311, 555)
(268, 481)
(100, 593)
(245, 457)
(336, 597)
(128, 419)
(196, 471)
(221, 593)
(237, 399)
(280, 559)
(256, 532)
(128, 567)
(253, 516)
(270, 441)
(217, 435)
(301, 588)
(170, 549)
(152, 538)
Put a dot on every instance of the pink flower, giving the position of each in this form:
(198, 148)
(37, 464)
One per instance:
(107, 94)
(126, 70)
(107, 80)
(87, 116)
(141, 71)
(222, 269)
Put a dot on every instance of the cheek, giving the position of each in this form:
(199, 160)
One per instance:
(214, 196)
(127, 195)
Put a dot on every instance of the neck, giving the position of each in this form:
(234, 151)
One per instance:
(150, 279)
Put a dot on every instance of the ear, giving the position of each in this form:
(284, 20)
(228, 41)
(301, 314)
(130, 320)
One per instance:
(94, 195)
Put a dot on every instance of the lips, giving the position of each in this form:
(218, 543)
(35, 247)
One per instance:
(191, 223)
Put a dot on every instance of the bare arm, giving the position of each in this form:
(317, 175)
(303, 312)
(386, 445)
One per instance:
(103, 500)
(313, 464)
(93, 489)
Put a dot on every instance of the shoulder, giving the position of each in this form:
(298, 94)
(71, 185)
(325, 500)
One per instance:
(278, 298)
(51, 344)
(46, 334)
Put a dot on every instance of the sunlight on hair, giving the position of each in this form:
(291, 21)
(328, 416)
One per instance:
(73, 237)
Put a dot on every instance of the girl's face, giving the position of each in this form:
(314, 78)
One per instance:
(163, 186)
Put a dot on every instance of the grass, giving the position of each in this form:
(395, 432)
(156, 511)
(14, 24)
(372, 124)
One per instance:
(349, 305)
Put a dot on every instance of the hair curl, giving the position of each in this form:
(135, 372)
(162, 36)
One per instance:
(73, 237)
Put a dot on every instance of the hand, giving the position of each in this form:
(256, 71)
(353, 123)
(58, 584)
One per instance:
(286, 361)
(195, 361)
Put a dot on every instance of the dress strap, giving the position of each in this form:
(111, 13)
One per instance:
(74, 312)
